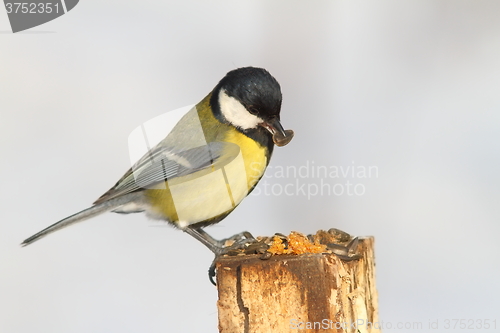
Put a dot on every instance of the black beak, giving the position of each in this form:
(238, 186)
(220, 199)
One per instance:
(281, 137)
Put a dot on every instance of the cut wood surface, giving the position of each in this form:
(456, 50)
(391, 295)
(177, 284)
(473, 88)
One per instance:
(298, 293)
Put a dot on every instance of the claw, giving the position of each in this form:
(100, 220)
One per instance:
(242, 243)
(211, 272)
(240, 238)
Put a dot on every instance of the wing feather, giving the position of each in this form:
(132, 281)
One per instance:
(165, 164)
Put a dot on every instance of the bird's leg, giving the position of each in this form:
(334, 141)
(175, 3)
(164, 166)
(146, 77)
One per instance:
(210, 242)
(207, 240)
(219, 247)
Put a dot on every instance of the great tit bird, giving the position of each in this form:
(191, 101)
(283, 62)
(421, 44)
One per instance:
(210, 161)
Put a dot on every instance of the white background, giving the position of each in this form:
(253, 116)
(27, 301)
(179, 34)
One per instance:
(412, 87)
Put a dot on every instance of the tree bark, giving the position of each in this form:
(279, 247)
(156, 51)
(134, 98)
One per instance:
(298, 293)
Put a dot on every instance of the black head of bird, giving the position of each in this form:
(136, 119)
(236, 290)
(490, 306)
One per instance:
(250, 99)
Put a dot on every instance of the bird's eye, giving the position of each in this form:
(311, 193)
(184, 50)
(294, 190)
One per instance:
(253, 110)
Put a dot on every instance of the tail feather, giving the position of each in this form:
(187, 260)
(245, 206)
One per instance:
(75, 218)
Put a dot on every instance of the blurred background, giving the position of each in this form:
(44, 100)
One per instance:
(411, 88)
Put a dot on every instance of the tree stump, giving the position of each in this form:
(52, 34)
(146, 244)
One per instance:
(304, 293)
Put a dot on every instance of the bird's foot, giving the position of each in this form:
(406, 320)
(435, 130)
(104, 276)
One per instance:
(240, 244)
(234, 243)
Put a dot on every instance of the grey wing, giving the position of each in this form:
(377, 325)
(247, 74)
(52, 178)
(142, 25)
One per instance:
(164, 163)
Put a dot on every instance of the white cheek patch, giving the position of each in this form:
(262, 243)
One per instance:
(236, 113)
